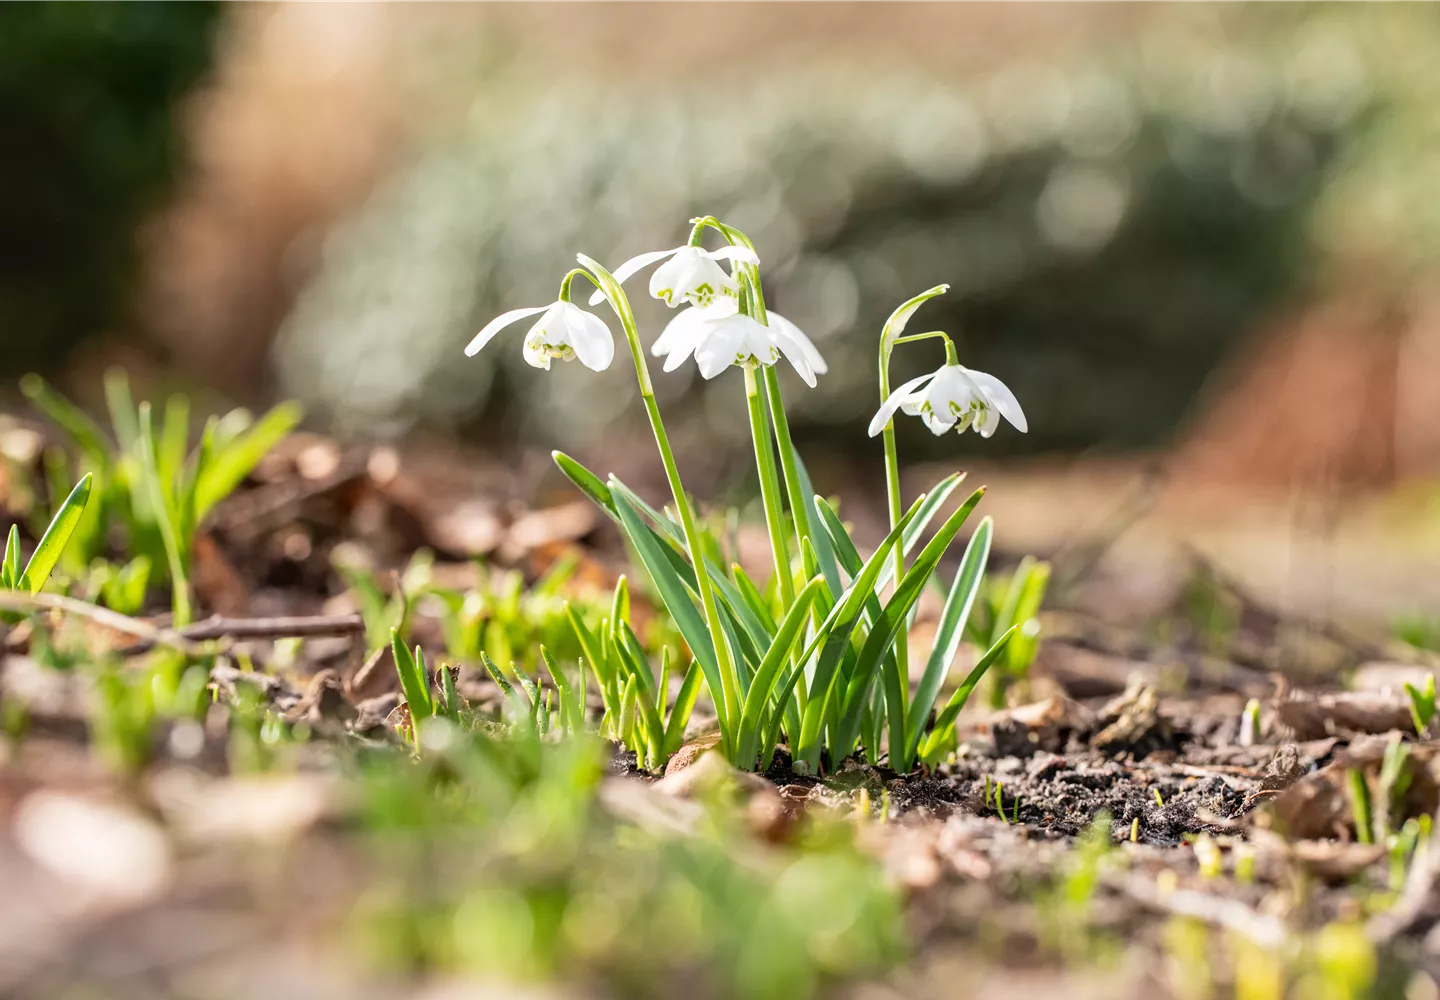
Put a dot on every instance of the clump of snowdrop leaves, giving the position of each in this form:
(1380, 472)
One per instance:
(563, 331)
(809, 660)
(953, 398)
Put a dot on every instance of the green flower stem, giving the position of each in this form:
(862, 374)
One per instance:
(951, 358)
(730, 678)
(892, 470)
(896, 511)
(799, 503)
(769, 489)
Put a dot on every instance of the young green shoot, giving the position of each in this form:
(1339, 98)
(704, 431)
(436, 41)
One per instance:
(1422, 704)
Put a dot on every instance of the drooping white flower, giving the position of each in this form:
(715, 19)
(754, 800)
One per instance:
(690, 275)
(955, 397)
(720, 336)
(563, 331)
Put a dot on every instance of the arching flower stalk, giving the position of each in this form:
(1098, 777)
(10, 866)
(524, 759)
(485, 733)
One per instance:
(726, 323)
(952, 397)
(566, 331)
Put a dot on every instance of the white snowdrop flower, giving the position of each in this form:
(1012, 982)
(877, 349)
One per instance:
(563, 331)
(690, 275)
(955, 397)
(719, 336)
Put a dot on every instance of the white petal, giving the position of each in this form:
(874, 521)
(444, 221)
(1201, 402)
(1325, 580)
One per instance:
(986, 423)
(497, 324)
(665, 281)
(632, 265)
(892, 403)
(681, 336)
(817, 363)
(953, 393)
(718, 350)
(743, 254)
(550, 330)
(938, 422)
(756, 339)
(999, 396)
(591, 339)
(793, 348)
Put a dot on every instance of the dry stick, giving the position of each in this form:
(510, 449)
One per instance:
(17, 600)
(281, 627)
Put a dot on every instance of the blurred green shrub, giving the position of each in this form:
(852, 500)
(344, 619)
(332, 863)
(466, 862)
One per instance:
(502, 860)
(1110, 228)
(87, 98)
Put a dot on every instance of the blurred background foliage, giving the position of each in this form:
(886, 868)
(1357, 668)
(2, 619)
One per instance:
(1111, 225)
(1116, 214)
(88, 99)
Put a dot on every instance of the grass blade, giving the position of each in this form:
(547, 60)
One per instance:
(680, 711)
(10, 569)
(413, 682)
(824, 551)
(676, 598)
(761, 687)
(948, 636)
(84, 431)
(934, 500)
(892, 619)
(234, 460)
(945, 721)
(52, 543)
(833, 637)
(589, 483)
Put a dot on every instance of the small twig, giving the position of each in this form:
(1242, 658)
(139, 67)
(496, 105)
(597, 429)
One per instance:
(282, 627)
(17, 600)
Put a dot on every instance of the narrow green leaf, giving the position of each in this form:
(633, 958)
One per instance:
(1032, 594)
(945, 721)
(174, 439)
(628, 703)
(833, 635)
(591, 645)
(501, 681)
(664, 528)
(676, 599)
(934, 500)
(122, 409)
(175, 552)
(824, 552)
(236, 459)
(630, 647)
(761, 687)
(948, 636)
(589, 483)
(680, 712)
(57, 535)
(452, 697)
(413, 683)
(84, 431)
(10, 570)
(893, 618)
(750, 594)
